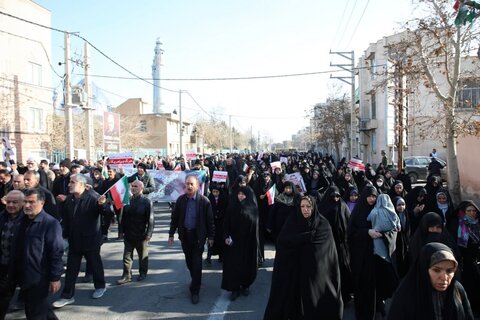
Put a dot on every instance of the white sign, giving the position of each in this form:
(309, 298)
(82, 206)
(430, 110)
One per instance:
(297, 180)
(191, 155)
(284, 160)
(121, 160)
(276, 164)
(220, 176)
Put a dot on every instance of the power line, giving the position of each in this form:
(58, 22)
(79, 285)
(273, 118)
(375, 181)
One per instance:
(348, 22)
(358, 23)
(340, 23)
(91, 44)
(230, 78)
(38, 42)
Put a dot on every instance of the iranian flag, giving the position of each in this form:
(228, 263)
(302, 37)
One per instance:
(356, 165)
(120, 193)
(177, 167)
(271, 195)
(245, 167)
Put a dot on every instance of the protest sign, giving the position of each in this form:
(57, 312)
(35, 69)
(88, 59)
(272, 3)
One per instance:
(219, 176)
(297, 180)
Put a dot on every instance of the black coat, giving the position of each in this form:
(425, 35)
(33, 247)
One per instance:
(306, 276)
(137, 219)
(338, 215)
(240, 258)
(82, 226)
(361, 256)
(219, 209)
(40, 250)
(205, 224)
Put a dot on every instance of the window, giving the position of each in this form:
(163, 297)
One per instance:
(373, 105)
(468, 96)
(374, 143)
(37, 121)
(373, 66)
(143, 125)
(34, 73)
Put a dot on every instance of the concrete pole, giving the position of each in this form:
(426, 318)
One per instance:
(231, 132)
(88, 106)
(67, 91)
(180, 119)
(353, 146)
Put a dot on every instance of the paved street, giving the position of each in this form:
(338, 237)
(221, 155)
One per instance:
(164, 294)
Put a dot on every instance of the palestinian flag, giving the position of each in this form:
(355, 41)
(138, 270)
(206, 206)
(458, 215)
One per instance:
(120, 193)
(271, 195)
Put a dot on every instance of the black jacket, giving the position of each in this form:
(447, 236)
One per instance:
(82, 226)
(40, 250)
(137, 219)
(205, 223)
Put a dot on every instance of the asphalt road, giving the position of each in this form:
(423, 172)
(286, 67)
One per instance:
(164, 293)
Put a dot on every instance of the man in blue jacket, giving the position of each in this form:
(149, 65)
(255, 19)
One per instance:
(39, 256)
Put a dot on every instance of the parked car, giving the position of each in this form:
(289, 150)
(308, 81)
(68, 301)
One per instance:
(417, 167)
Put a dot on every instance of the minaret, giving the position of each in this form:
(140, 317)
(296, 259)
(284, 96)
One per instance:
(157, 62)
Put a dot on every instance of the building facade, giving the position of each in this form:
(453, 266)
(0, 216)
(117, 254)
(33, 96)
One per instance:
(161, 132)
(25, 77)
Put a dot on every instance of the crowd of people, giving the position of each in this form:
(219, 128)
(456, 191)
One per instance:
(340, 235)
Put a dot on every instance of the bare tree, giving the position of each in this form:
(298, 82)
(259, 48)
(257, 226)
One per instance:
(440, 47)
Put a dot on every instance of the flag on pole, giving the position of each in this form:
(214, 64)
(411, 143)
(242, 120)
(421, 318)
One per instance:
(104, 172)
(120, 193)
(178, 167)
(356, 165)
(271, 195)
(245, 167)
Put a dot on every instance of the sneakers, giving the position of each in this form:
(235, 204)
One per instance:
(98, 293)
(123, 280)
(63, 302)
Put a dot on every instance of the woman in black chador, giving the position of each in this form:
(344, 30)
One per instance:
(282, 208)
(218, 199)
(367, 282)
(240, 231)
(306, 276)
(337, 213)
(429, 290)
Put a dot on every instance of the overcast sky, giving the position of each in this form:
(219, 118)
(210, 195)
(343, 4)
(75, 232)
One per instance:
(225, 39)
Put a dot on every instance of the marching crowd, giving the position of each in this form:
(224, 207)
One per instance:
(340, 235)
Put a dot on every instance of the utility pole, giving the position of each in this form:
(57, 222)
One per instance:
(67, 91)
(399, 105)
(88, 106)
(349, 67)
(180, 119)
(231, 132)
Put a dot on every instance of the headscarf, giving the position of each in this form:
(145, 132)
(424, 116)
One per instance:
(468, 228)
(415, 298)
(422, 236)
(288, 200)
(401, 215)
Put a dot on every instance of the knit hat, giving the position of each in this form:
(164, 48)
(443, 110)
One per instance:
(66, 163)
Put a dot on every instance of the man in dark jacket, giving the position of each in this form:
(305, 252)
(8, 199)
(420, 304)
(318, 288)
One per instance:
(39, 256)
(82, 211)
(32, 180)
(137, 222)
(10, 220)
(142, 175)
(193, 217)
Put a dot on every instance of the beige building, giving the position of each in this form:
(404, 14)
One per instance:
(163, 129)
(25, 78)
